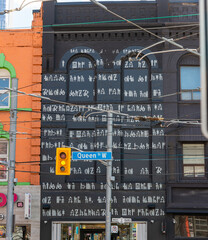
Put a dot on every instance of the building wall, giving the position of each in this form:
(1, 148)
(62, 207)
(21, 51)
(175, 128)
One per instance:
(101, 44)
(23, 49)
(139, 180)
(186, 196)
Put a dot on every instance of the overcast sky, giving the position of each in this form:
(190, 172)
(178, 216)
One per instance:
(23, 18)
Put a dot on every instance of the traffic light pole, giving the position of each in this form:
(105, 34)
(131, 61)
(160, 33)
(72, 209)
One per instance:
(109, 178)
(11, 163)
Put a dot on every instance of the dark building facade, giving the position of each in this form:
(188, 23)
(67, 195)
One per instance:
(91, 65)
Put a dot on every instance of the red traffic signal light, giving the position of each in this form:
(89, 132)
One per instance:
(63, 161)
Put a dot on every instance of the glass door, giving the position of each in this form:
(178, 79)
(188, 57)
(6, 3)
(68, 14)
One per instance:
(92, 234)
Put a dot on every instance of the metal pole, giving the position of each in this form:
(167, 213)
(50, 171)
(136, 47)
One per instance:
(109, 178)
(203, 10)
(11, 164)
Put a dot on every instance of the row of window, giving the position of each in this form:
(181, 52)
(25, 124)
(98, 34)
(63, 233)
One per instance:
(191, 226)
(3, 157)
(193, 160)
(4, 84)
(189, 80)
(193, 154)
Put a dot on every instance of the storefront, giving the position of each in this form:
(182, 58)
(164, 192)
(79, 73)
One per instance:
(191, 226)
(187, 207)
(26, 212)
(22, 232)
(96, 231)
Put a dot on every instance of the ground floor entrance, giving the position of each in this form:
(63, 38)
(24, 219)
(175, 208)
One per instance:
(20, 232)
(92, 234)
(96, 231)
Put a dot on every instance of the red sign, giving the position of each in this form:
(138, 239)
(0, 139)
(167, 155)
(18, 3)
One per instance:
(3, 199)
(114, 229)
(20, 204)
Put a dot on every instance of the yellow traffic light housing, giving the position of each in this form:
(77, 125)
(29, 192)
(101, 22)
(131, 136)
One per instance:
(63, 161)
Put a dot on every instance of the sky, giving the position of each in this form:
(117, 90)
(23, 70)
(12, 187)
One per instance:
(23, 19)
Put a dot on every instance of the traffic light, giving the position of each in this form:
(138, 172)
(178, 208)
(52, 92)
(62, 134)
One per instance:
(63, 161)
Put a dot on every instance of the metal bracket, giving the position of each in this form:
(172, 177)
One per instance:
(103, 162)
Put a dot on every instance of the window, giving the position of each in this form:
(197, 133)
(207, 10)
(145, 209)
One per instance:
(3, 157)
(190, 82)
(191, 226)
(4, 83)
(135, 81)
(193, 160)
(82, 79)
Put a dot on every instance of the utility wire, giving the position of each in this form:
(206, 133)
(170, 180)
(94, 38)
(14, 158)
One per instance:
(65, 137)
(191, 35)
(166, 51)
(79, 113)
(97, 31)
(139, 118)
(164, 157)
(118, 126)
(126, 20)
(171, 41)
(114, 21)
(21, 6)
(123, 175)
(90, 108)
(110, 21)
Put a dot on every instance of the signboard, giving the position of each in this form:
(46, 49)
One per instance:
(114, 229)
(3, 199)
(121, 220)
(28, 200)
(91, 156)
(20, 204)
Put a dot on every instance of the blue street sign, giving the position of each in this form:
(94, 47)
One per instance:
(91, 155)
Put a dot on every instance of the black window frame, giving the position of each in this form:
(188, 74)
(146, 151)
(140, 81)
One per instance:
(181, 165)
(188, 90)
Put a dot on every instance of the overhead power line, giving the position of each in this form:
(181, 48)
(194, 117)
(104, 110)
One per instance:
(112, 21)
(123, 175)
(23, 5)
(25, 30)
(88, 23)
(86, 107)
(142, 118)
(171, 41)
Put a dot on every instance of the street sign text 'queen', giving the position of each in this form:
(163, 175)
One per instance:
(91, 155)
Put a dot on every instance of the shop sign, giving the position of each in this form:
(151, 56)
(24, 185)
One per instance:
(28, 199)
(1, 217)
(20, 204)
(3, 199)
(121, 220)
(114, 229)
